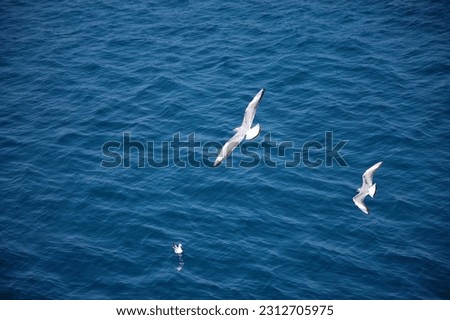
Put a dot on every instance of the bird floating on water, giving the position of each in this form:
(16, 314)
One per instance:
(367, 188)
(177, 248)
(244, 131)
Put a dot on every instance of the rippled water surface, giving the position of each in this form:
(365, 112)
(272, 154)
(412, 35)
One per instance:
(75, 75)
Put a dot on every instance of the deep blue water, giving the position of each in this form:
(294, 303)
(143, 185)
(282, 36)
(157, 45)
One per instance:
(76, 74)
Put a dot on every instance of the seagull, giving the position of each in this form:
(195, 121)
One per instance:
(177, 248)
(244, 131)
(367, 188)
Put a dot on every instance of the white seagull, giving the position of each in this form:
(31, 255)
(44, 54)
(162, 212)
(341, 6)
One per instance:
(367, 188)
(244, 130)
(177, 248)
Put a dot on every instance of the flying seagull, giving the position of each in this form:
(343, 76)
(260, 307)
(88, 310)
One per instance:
(177, 248)
(244, 131)
(367, 188)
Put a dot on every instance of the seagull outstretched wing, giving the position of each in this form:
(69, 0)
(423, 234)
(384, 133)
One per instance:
(367, 177)
(359, 201)
(228, 148)
(250, 111)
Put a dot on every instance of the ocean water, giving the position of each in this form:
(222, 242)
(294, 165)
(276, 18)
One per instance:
(75, 75)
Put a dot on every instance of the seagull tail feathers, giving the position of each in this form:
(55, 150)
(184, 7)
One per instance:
(253, 132)
(373, 190)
